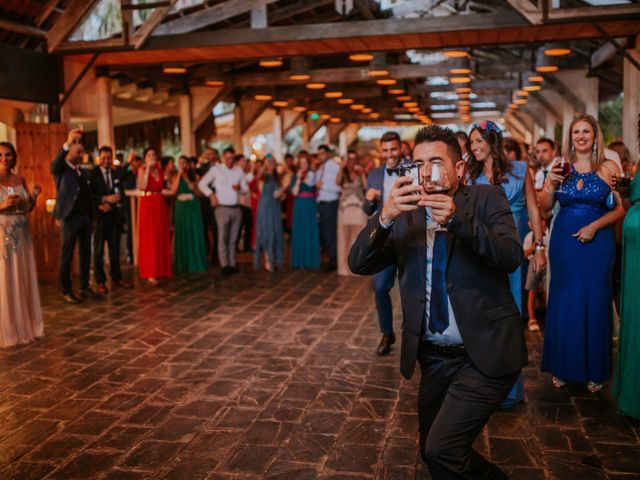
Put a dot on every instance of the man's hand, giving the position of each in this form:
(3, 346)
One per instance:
(402, 198)
(442, 207)
(74, 136)
(213, 198)
(114, 198)
(236, 187)
(373, 194)
(319, 185)
(104, 207)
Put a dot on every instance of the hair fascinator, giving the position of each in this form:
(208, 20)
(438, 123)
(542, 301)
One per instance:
(487, 125)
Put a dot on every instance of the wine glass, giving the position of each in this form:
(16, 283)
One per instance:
(565, 168)
(437, 183)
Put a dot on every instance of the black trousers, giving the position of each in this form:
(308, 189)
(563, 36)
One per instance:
(246, 229)
(455, 402)
(76, 227)
(106, 230)
(328, 222)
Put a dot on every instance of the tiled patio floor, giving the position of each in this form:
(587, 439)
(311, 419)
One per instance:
(260, 376)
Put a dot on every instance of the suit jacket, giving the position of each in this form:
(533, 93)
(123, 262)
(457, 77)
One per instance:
(375, 179)
(482, 248)
(99, 189)
(67, 185)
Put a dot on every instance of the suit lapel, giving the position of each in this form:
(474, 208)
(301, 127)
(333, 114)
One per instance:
(418, 226)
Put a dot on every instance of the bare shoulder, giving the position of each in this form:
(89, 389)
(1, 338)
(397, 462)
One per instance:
(607, 170)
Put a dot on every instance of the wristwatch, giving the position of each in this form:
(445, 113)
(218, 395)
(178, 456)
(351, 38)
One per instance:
(539, 246)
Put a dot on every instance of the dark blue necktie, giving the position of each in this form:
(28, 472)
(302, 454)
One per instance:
(439, 307)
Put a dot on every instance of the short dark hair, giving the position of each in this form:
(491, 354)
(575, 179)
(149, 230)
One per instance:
(512, 145)
(12, 149)
(436, 133)
(390, 136)
(147, 150)
(105, 148)
(551, 143)
(325, 148)
(462, 136)
(229, 150)
(237, 158)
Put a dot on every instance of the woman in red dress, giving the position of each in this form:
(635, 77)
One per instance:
(154, 245)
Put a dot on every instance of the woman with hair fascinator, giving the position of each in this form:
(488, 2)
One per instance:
(488, 165)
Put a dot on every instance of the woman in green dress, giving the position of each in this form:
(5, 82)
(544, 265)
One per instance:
(189, 253)
(627, 382)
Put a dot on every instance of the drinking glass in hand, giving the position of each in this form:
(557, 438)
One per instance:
(437, 183)
(565, 170)
(623, 184)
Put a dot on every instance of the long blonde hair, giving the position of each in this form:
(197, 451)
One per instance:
(597, 156)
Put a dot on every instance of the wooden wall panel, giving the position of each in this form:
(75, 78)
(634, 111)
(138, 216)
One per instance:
(37, 144)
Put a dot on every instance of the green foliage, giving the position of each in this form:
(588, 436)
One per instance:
(610, 119)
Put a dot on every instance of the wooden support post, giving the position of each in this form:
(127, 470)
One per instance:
(306, 135)
(342, 144)
(277, 136)
(237, 127)
(631, 105)
(105, 111)
(187, 138)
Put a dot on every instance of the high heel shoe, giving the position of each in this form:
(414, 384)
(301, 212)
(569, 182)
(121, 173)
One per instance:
(594, 387)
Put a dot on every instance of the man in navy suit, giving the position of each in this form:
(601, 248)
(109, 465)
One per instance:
(454, 252)
(379, 184)
(73, 209)
(106, 190)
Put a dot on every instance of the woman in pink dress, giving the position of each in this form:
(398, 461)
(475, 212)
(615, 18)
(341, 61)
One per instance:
(154, 244)
(20, 313)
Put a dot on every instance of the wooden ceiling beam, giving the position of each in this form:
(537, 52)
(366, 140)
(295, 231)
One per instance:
(46, 11)
(209, 16)
(150, 24)
(22, 28)
(74, 13)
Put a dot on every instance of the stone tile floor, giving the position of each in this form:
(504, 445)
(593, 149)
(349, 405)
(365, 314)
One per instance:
(260, 376)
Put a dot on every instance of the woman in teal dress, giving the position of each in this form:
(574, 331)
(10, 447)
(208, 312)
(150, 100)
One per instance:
(269, 231)
(189, 252)
(488, 166)
(627, 380)
(305, 235)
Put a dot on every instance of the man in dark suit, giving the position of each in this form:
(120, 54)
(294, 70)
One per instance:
(106, 191)
(379, 184)
(460, 321)
(73, 209)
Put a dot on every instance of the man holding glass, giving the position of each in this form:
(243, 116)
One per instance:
(454, 247)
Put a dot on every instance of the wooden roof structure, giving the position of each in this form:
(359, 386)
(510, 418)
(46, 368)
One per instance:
(225, 40)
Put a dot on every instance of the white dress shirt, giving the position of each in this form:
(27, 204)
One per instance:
(327, 174)
(222, 180)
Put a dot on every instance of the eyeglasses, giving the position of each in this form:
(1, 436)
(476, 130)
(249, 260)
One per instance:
(487, 125)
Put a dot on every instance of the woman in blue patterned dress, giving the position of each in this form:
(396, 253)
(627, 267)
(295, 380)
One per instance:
(577, 340)
(269, 232)
(305, 235)
(488, 165)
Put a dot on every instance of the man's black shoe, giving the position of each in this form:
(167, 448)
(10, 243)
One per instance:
(89, 293)
(233, 270)
(384, 347)
(226, 272)
(71, 298)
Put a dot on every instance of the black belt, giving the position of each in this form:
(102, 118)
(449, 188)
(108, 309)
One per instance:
(453, 351)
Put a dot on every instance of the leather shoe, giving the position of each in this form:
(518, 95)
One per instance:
(102, 289)
(121, 284)
(71, 298)
(89, 293)
(384, 347)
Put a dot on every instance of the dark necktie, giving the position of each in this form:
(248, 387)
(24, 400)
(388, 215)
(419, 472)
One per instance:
(390, 171)
(109, 184)
(544, 174)
(439, 307)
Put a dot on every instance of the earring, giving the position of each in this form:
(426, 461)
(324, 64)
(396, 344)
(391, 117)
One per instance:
(595, 149)
(572, 149)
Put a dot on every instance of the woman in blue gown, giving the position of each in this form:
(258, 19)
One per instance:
(269, 232)
(305, 235)
(488, 166)
(577, 340)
